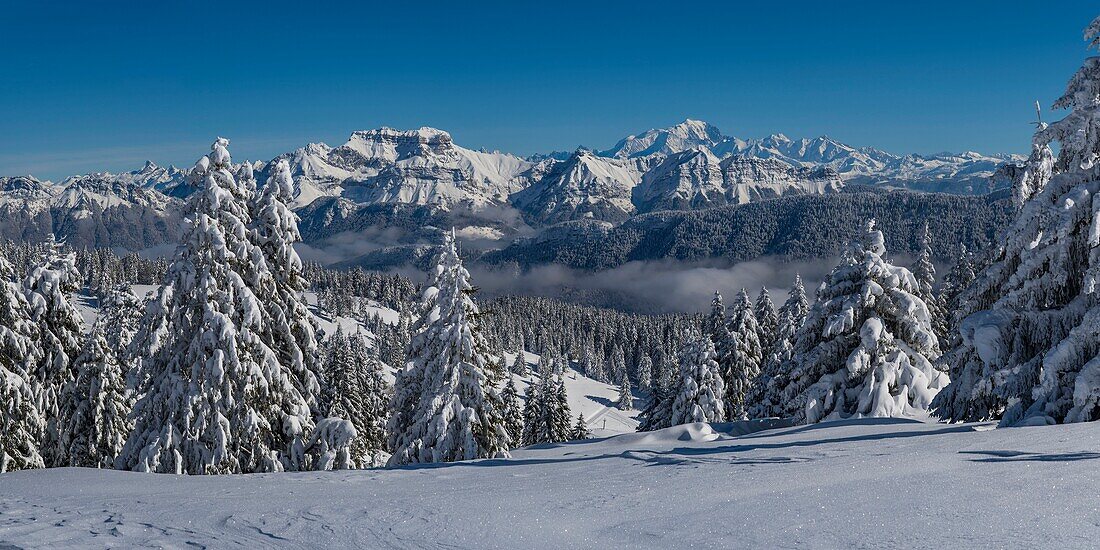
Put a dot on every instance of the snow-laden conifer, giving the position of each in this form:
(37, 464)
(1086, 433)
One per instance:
(49, 288)
(120, 312)
(290, 329)
(767, 320)
(925, 273)
(867, 346)
(700, 391)
(214, 396)
(580, 429)
(558, 416)
(513, 412)
(626, 398)
(1030, 321)
(533, 423)
(645, 372)
(21, 419)
(765, 400)
(744, 357)
(458, 413)
(96, 411)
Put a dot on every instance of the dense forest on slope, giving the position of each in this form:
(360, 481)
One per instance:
(799, 227)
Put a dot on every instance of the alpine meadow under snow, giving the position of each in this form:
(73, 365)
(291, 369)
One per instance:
(232, 394)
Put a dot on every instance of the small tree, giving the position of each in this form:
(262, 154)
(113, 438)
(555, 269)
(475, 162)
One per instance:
(513, 412)
(580, 429)
(626, 399)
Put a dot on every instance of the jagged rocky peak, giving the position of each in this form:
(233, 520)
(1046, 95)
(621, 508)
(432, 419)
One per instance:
(688, 134)
(585, 186)
(15, 185)
(390, 144)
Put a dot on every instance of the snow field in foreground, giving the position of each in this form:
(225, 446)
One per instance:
(884, 483)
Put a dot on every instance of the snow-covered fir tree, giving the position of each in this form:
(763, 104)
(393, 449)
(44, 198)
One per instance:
(513, 412)
(519, 364)
(867, 346)
(766, 319)
(593, 367)
(96, 411)
(700, 391)
(957, 280)
(1030, 322)
(214, 396)
(925, 272)
(355, 389)
(626, 398)
(60, 332)
(546, 413)
(458, 414)
(558, 416)
(714, 324)
(744, 357)
(666, 387)
(289, 329)
(765, 398)
(371, 425)
(532, 414)
(617, 367)
(120, 312)
(580, 429)
(645, 372)
(21, 419)
(1038, 170)
(497, 369)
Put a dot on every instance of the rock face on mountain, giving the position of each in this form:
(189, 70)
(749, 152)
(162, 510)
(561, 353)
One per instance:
(753, 179)
(682, 181)
(415, 167)
(97, 210)
(696, 179)
(583, 186)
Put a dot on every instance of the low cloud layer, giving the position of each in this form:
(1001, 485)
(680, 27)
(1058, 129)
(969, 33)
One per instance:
(665, 286)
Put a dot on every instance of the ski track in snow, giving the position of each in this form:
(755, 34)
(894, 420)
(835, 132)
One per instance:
(884, 483)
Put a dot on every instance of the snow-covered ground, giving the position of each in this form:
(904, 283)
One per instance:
(869, 484)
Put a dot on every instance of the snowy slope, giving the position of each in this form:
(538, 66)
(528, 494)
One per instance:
(883, 484)
(596, 400)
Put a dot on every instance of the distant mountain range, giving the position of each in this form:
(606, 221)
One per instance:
(385, 179)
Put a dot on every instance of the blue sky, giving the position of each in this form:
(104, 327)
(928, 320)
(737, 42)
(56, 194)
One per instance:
(104, 85)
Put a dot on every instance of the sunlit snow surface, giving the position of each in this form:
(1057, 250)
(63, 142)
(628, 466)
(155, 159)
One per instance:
(869, 484)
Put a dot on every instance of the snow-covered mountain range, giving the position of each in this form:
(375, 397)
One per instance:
(690, 165)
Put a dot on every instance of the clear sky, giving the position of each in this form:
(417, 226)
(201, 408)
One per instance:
(90, 86)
